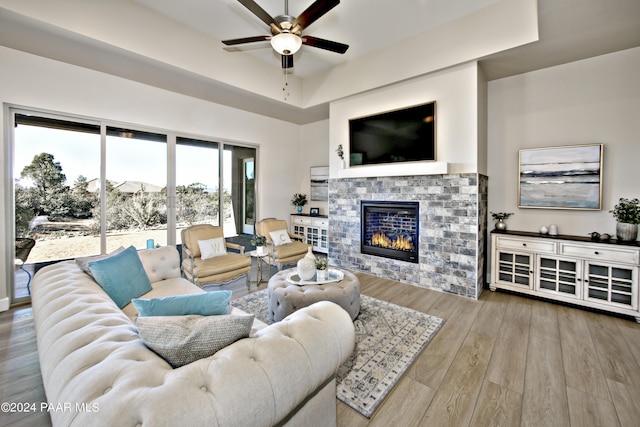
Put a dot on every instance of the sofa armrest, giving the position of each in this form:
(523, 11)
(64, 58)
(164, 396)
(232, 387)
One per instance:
(281, 365)
(296, 236)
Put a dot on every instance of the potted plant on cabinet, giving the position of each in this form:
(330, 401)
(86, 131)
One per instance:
(627, 213)
(299, 200)
(321, 269)
(258, 241)
(500, 217)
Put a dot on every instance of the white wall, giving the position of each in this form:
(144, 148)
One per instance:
(455, 91)
(31, 81)
(314, 151)
(593, 101)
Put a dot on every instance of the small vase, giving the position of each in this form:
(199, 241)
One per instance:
(307, 266)
(260, 250)
(299, 209)
(626, 232)
(321, 275)
(501, 225)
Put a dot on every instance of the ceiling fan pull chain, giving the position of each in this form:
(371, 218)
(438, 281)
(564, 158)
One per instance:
(285, 85)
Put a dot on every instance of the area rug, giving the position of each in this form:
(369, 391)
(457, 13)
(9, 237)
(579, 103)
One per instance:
(388, 339)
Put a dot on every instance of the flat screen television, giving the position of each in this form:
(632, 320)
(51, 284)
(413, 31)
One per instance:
(406, 135)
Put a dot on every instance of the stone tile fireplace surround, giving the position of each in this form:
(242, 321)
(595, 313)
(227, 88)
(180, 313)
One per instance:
(452, 229)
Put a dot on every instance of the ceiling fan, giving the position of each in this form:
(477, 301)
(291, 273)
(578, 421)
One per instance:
(286, 31)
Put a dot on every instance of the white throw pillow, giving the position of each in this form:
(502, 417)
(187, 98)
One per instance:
(280, 237)
(212, 248)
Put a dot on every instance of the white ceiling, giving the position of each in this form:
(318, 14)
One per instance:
(364, 25)
(569, 30)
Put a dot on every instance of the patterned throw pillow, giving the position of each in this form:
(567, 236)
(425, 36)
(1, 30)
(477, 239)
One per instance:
(184, 339)
(280, 237)
(212, 248)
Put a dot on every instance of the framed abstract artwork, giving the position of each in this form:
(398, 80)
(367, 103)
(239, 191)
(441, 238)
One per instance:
(320, 183)
(561, 177)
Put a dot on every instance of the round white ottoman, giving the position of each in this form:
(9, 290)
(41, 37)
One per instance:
(285, 298)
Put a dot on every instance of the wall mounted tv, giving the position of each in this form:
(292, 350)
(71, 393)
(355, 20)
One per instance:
(406, 135)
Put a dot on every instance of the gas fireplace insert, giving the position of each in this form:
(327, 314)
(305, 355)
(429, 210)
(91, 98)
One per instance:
(390, 229)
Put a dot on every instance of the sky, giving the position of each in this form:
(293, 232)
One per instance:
(127, 159)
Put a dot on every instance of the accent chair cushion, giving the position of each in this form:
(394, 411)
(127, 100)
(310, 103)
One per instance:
(212, 248)
(280, 237)
(122, 276)
(203, 304)
(184, 339)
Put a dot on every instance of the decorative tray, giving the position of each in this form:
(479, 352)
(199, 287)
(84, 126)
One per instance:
(333, 275)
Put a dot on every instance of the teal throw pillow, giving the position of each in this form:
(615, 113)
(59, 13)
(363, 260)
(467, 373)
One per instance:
(204, 304)
(122, 276)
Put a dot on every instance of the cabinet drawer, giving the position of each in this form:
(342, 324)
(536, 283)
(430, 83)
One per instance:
(301, 220)
(603, 253)
(320, 222)
(525, 244)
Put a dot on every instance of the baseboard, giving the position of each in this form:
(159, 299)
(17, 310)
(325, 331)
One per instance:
(4, 304)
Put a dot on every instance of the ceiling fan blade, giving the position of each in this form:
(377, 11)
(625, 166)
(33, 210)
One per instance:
(287, 61)
(313, 12)
(260, 13)
(243, 40)
(325, 44)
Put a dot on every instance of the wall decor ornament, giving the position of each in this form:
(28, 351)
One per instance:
(567, 177)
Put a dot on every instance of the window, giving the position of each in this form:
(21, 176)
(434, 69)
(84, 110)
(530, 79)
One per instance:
(84, 187)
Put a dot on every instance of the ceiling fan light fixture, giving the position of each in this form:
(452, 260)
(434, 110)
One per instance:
(286, 43)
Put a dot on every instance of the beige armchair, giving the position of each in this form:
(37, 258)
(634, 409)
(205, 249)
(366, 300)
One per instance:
(285, 253)
(219, 266)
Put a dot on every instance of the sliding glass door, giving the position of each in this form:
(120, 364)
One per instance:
(56, 168)
(136, 188)
(84, 187)
(197, 183)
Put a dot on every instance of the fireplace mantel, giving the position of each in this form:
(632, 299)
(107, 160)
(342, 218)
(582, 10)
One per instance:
(395, 169)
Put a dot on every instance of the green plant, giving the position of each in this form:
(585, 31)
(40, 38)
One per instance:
(258, 240)
(321, 263)
(627, 211)
(500, 216)
(340, 152)
(299, 199)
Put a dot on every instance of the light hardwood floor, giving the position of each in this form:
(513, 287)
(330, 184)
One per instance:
(504, 360)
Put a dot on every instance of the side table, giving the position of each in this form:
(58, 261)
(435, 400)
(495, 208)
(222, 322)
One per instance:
(258, 257)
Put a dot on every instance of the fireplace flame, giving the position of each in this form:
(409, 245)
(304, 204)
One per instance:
(383, 241)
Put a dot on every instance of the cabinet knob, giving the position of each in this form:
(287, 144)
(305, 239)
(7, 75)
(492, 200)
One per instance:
(524, 244)
(597, 253)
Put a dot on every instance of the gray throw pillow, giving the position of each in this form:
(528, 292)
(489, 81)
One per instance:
(184, 339)
(83, 262)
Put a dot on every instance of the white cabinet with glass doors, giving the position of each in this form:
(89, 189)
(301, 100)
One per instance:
(568, 268)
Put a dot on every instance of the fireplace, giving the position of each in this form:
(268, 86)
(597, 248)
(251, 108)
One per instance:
(390, 229)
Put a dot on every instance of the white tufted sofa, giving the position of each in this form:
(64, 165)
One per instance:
(96, 370)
